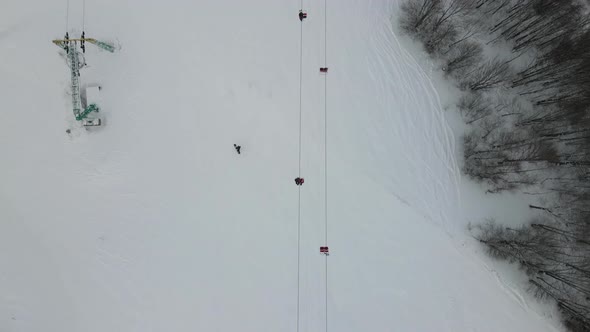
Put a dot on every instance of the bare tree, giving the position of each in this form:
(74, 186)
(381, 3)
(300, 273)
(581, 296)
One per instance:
(433, 22)
(417, 14)
(461, 57)
(474, 107)
(488, 75)
(555, 258)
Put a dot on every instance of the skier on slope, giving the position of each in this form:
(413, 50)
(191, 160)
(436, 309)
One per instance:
(238, 148)
(299, 181)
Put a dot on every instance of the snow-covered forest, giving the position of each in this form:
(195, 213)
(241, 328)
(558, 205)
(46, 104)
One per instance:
(523, 68)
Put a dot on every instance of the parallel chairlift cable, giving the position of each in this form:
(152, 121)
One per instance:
(67, 14)
(83, 14)
(299, 172)
(325, 166)
(326, 155)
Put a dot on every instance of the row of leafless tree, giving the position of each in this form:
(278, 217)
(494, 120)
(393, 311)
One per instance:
(529, 111)
(555, 256)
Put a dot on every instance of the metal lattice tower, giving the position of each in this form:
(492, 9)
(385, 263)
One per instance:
(71, 47)
(74, 63)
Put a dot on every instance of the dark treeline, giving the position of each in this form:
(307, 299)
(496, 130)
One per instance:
(524, 69)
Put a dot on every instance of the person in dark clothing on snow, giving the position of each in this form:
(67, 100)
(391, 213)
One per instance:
(238, 148)
(299, 181)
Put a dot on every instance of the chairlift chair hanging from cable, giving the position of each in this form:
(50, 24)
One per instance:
(302, 15)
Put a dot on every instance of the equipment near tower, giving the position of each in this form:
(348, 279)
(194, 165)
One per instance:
(70, 45)
(91, 102)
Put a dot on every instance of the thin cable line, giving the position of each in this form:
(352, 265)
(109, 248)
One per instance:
(326, 154)
(326, 294)
(83, 14)
(298, 253)
(326, 134)
(67, 14)
(326, 185)
(326, 33)
(300, 92)
(299, 171)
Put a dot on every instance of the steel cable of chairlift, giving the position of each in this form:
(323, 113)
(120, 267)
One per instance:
(299, 170)
(326, 157)
(67, 14)
(83, 14)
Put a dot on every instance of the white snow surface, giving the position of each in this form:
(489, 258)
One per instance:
(153, 222)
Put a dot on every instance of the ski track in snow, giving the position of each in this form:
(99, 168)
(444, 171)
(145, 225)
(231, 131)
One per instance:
(392, 59)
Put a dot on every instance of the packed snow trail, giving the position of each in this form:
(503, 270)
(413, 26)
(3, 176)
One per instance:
(154, 223)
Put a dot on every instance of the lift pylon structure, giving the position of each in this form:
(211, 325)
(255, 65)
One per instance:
(66, 42)
(70, 45)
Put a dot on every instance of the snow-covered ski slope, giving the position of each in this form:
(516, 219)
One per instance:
(154, 223)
